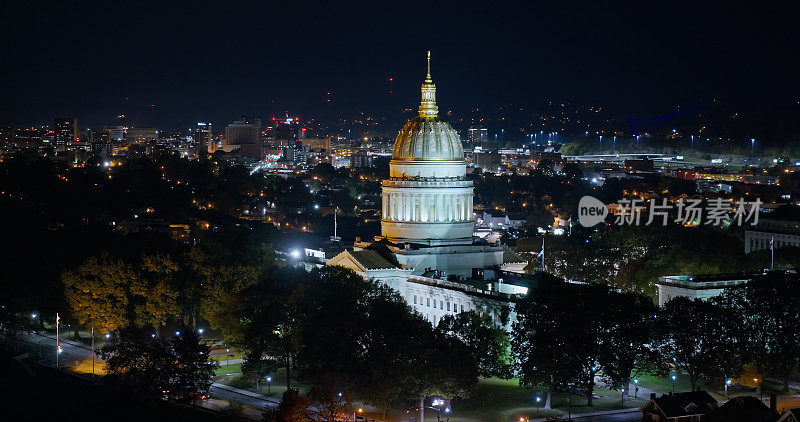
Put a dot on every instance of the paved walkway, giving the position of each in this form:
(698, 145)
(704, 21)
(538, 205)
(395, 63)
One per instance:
(595, 414)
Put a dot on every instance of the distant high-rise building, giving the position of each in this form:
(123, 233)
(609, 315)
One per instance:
(289, 129)
(477, 135)
(86, 136)
(242, 131)
(316, 144)
(113, 133)
(141, 135)
(360, 159)
(203, 137)
(65, 131)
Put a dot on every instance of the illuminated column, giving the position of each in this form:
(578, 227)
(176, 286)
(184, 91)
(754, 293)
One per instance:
(450, 209)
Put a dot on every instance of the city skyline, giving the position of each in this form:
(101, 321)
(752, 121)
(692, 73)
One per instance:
(173, 66)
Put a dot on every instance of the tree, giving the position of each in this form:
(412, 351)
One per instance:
(111, 294)
(269, 318)
(332, 403)
(154, 297)
(692, 336)
(770, 306)
(144, 364)
(223, 303)
(97, 292)
(560, 337)
(11, 323)
(292, 408)
(363, 335)
(451, 370)
(488, 343)
(627, 331)
(193, 370)
(256, 367)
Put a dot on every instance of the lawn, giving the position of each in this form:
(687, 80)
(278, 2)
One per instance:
(502, 400)
(274, 389)
(235, 368)
(223, 358)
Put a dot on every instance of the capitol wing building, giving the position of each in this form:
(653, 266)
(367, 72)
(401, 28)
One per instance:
(426, 250)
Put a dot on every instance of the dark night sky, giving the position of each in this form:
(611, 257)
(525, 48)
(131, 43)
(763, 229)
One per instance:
(198, 62)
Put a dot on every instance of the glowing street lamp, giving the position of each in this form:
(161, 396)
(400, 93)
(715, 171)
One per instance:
(269, 386)
(674, 377)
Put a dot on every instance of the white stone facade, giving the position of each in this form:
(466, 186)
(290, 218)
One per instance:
(695, 287)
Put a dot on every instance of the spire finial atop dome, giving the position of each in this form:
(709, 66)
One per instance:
(428, 108)
(428, 77)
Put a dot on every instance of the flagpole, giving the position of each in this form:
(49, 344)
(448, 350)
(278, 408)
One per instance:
(772, 253)
(542, 253)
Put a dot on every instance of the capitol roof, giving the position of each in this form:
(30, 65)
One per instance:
(426, 137)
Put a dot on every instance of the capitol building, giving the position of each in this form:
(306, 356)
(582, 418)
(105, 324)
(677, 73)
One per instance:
(426, 250)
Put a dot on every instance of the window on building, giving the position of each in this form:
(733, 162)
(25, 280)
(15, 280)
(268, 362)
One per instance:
(462, 308)
(441, 304)
(448, 306)
(415, 299)
(429, 302)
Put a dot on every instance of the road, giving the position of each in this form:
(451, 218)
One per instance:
(78, 357)
(631, 416)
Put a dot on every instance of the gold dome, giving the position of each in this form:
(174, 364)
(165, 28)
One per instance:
(426, 137)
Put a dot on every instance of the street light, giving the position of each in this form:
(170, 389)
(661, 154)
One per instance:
(569, 407)
(636, 391)
(538, 400)
(760, 387)
(674, 377)
(269, 386)
(727, 383)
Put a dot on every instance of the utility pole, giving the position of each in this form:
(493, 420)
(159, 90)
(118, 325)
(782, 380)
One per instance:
(92, 350)
(58, 347)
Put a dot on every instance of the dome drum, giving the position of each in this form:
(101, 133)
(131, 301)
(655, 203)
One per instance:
(434, 234)
(406, 169)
